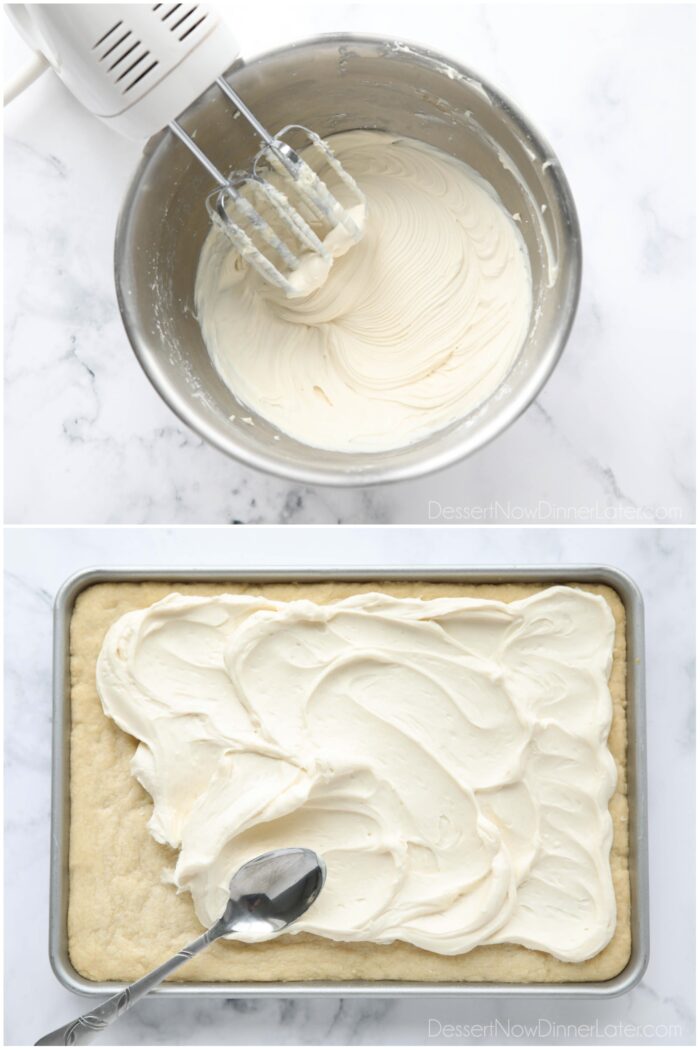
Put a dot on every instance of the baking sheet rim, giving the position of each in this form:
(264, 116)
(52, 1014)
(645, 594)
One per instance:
(60, 793)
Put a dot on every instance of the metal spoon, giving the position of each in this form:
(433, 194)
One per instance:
(265, 896)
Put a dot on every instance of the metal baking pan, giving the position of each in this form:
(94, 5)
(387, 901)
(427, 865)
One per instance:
(60, 817)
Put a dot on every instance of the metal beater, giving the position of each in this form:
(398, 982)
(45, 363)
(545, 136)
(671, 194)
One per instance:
(285, 231)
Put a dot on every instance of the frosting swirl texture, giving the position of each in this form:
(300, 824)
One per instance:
(447, 758)
(414, 326)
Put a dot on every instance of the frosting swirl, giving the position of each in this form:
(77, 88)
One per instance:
(413, 328)
(447, 758)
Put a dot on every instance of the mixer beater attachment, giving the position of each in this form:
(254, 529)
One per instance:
(277, 227)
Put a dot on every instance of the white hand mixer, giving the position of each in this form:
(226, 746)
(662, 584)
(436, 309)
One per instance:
(138, 66)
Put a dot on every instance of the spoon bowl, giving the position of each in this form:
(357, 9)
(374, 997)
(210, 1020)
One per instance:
(271, 891)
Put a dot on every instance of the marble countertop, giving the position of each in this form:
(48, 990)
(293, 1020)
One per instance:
(660, 1010)
(609, 439)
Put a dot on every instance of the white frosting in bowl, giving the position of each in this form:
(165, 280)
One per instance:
(412, 329)
(447, 758)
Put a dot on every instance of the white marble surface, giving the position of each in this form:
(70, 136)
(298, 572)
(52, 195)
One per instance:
(37, 561)
(88, 440)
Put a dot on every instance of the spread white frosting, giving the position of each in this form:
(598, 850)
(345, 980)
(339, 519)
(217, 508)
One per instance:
(411, 329)
(447, 758)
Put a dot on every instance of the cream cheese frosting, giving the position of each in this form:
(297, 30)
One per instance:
(412, 328)
(447, 758)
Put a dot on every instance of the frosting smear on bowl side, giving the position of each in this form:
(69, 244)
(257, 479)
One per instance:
(447, 758)
(412, 329)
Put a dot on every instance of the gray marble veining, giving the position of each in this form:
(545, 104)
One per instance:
(610, 438)
(661, 1010)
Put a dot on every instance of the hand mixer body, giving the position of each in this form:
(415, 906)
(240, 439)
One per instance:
(138, 66)
(135, 66)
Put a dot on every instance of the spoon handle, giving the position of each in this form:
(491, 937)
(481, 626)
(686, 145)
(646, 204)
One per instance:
(84, 1029)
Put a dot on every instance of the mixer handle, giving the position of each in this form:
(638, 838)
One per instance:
(135, 66)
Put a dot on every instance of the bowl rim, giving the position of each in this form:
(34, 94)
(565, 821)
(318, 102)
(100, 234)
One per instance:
(381, 470)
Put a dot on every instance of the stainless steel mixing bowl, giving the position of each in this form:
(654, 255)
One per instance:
(337, 83)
